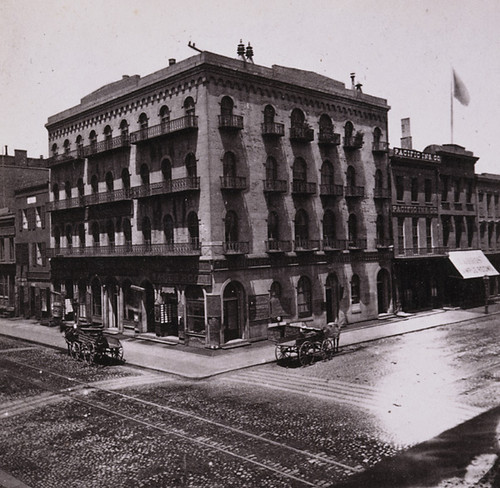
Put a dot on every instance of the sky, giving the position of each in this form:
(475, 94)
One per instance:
(54, 52)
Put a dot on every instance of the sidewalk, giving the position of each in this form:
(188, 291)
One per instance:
(196, 363)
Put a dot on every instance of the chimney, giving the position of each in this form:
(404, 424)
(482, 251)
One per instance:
(241, 50)
(171, 61)
(20, 157)
(249, 53)
(6, 150)
(353, 83)
(406, 142)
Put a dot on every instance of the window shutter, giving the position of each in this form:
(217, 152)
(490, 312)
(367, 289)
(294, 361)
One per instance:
(44, 253)
(42, 216)
(20, 216)
(33, 255)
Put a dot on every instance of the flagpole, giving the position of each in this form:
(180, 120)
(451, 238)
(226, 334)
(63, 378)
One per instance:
(451, 106)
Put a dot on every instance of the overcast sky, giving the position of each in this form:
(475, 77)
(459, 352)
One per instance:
(54, 52)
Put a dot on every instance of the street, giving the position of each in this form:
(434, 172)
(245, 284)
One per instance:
(65, 423)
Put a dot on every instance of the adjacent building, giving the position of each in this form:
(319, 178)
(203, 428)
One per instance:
(214, 196)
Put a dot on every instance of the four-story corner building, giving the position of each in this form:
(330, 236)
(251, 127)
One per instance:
(214, 196)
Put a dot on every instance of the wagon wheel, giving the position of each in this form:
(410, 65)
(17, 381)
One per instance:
(281, 353)
(117, 353)
(327, 348)
(306, 352)
(88, 353)
(74, 350)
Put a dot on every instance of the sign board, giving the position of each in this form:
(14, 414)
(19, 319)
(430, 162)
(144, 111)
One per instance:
(472, 264)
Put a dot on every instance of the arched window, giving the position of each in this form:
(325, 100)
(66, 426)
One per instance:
(273, 224)
(109, 181)
(193, 228)
(191, 165)
(379, 180)
(189, 107)
(304, 297)
(108, 133)
(226, 107)
(146, 231)
(269, 114)
(145, 174)
(299, 170)
(168, 229)
(348, 132)
(67, 189)
(66, 146)
(271, 169)
(57, 237)
(124, 130)
(143, 121)
(69, 236)
(164, 115)
(301, 228)
(355, 289)
(54, 150)
(79, 145)
(329, 226)
(229, 165)
(127, 233)
(81, 235)
(166, 170)
(110, 231)
(327, 175)
(93, 140)
(352, 228)
(55, 191)
(96, 298)
(325, 126)
(351, 176)
(96, 234)
(377, 134)
(94, 184)
(81, 187)
(231, 227)
(125, 179)
(297, 118)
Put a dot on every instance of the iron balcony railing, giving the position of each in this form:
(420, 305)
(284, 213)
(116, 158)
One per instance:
(382, 193)
(353, 142)
(305, 245)
(233, 182)
(233, 122)
(356, 243)
(327, 136)
(331, 244)
(380, 146)
(106, 145)
(327, 189)
(276, 245)
(383, 242)
(147, 249)
(422, 251)
(56, 159)
(273, 129)
(301, 133)
(303, 188)
(275, 186)
(188, 122)
(235, 247)
(189, 183)
(354, 191)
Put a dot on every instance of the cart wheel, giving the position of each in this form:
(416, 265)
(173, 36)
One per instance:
(281, 353)
(117, 353)
(306, 352)
(327, 348)
(74, 350)
(87, 354)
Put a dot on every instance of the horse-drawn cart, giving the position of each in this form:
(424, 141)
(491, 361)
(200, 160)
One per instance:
(90, 343)
(303, 343)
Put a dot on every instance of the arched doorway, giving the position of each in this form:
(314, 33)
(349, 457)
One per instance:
(332, 292)
(383, 290)
(234, 305)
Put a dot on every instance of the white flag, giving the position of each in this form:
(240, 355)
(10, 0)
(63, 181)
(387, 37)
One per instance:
(460, 91)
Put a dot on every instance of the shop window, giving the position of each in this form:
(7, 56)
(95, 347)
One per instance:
(355, 290)
(428, 190)
(195, 309)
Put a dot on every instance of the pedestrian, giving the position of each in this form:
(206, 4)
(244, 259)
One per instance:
(338, 324)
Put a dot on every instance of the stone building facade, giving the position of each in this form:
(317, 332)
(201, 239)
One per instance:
(209, 198)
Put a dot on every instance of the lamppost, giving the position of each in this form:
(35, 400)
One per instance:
(486, 280)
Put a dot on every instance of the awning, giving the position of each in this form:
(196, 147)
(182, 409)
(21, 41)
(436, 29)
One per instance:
(472, 264)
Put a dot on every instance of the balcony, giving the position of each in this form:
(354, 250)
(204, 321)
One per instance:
(382, 193)
(66, 156)
(445, 205)
(327, 136)
(356, 243)
(329, 190)
(383, 243)
(301, 133)
(235, 248)
(186, 123)
(230, 122)
(305, 245)
(457, 206)
(233, 183)
(106, 145)
(277, 246)
(421, 251)
(106, 197)
(189, 183)
(147, 249)
(330, 244)
(275, 186)
(354, 191)
(379, 147)
(303, 188)
(353, 142)
(273, 129)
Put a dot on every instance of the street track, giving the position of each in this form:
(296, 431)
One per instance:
(246, 447)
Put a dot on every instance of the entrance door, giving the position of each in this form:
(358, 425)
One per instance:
(332, 298)
(383, 290)
(233, 306)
